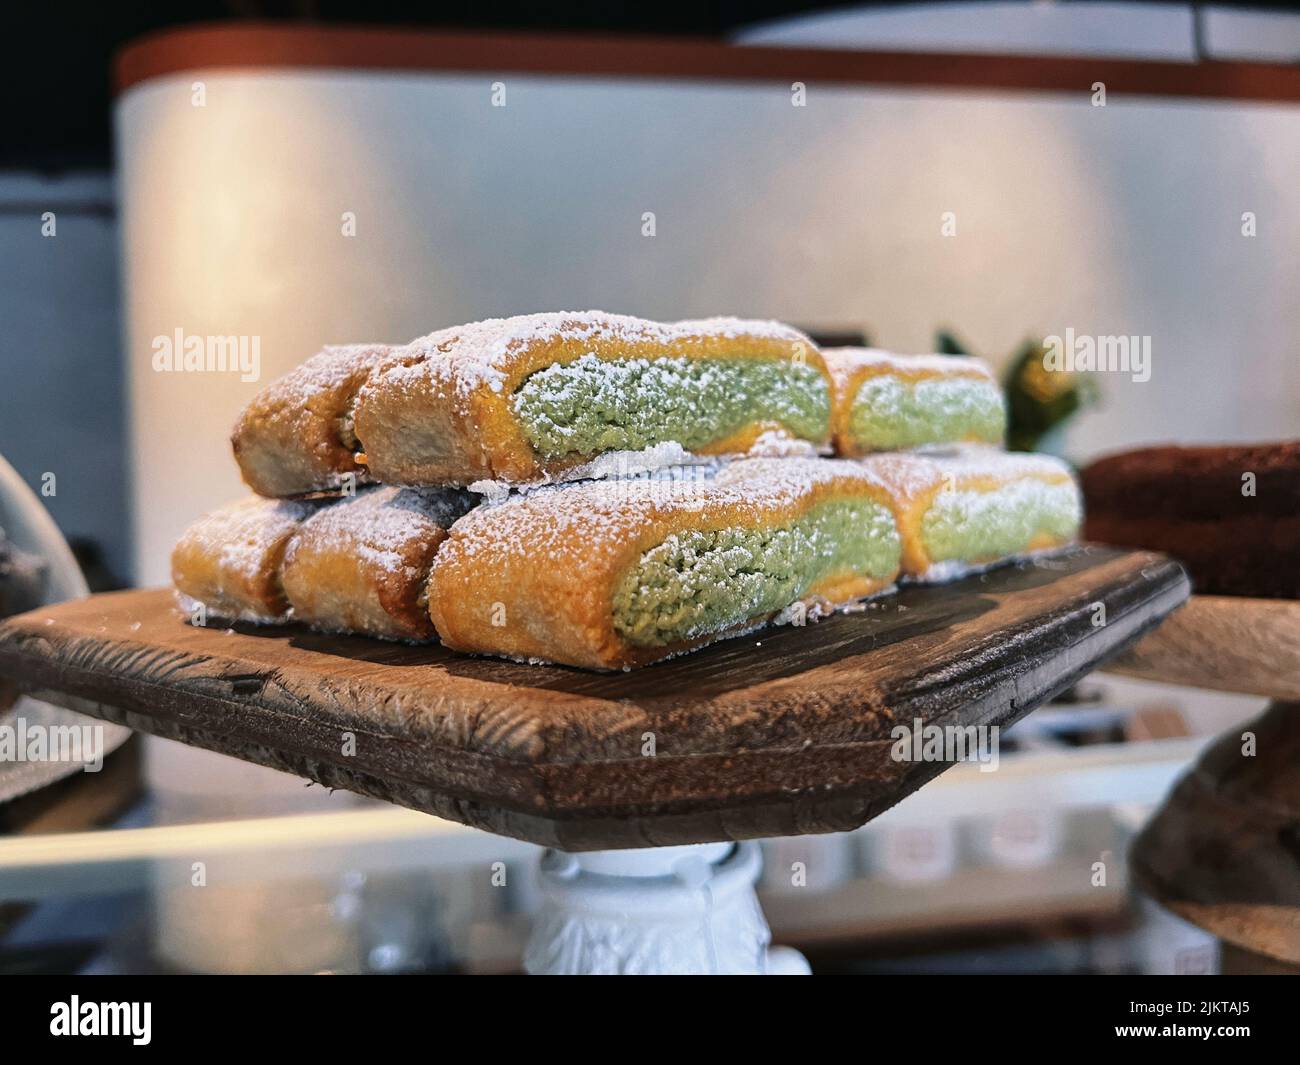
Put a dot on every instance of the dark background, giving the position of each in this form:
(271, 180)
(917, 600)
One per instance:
(56, 99)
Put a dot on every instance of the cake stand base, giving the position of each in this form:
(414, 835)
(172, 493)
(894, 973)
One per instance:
(659, 910)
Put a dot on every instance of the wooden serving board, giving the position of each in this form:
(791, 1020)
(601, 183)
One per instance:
(783, 732)
(1225, 642)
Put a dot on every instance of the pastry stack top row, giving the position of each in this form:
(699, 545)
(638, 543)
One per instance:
(539, 397)
(738, 519)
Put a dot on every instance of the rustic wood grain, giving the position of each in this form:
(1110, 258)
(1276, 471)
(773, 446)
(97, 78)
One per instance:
(1223, 852)
(1229, 643)
(783, 732)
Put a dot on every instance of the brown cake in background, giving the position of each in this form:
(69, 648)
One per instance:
(1230, 514)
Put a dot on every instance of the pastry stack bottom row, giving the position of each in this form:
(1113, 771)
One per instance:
(473, 487)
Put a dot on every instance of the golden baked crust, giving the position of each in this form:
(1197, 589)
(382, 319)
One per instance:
(439, 412)
(534, 577)
(915, 480)
(295, 436)
(230, 559)
(849, 368)
(362, 564)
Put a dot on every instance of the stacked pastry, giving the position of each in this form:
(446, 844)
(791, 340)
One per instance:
(370, 463)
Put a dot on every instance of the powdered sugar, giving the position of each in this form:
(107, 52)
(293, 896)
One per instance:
(913, 474)
(612, 465)
(472, 356)
(635, 463)
(791, 478)
(777, 443)
(329, 369)
(243, 534)
(845, 363)
(669, 459)
(954, 569)
(816, 609)
(379, 524)
(976, 460)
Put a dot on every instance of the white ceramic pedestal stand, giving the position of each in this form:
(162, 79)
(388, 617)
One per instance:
(658, 910)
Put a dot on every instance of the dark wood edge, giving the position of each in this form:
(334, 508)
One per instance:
(259, 45)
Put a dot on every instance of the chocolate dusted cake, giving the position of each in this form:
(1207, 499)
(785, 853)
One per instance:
(1231, 514)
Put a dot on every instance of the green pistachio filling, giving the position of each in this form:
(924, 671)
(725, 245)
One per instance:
(890, 412)
(698, 583)
(590, 406)
(973, 526)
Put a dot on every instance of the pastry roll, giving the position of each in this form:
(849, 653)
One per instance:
(973, 507)
(296, 436)
(230, 560)
(526, 399)
(362, 564)
(610, 574)
(886, 402)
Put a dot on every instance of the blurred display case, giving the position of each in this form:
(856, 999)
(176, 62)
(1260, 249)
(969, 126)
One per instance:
(225, 867)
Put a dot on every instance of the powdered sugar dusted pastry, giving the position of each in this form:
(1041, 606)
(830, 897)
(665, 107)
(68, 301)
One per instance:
(885, 402)
(296, 436)
(613, 574)
(525, 399)
(975, 506)
(230, 560)
(362, 564)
